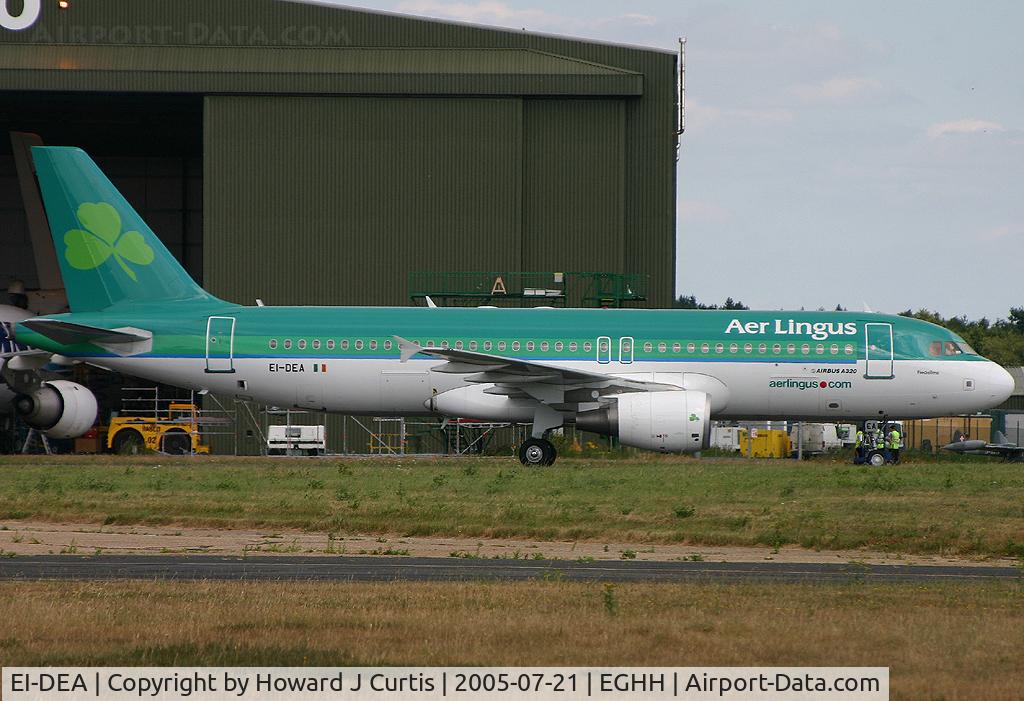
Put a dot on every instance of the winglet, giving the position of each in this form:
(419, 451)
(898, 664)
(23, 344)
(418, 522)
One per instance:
(407, 348)
(430, 302)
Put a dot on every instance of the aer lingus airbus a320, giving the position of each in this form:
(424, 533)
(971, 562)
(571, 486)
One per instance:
(654, 378)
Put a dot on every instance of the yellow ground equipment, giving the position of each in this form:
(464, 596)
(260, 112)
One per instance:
(174, 431)
(764, 443)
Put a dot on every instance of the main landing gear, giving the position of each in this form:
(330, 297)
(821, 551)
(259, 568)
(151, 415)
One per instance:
(537, 451)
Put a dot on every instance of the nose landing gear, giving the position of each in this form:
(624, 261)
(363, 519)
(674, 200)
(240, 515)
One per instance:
(537, 451)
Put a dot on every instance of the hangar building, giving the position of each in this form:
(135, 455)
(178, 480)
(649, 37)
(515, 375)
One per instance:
(310, 154)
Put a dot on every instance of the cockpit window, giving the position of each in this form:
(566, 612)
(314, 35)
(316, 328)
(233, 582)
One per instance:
(964, 348)
(947, 348)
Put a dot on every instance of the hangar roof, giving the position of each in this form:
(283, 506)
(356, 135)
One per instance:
(350, 70)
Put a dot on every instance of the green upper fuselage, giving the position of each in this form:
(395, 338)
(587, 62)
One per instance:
(180, 330)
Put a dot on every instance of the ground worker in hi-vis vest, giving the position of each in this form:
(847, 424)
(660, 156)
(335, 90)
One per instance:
(879, 438)
(859, 446)
(894, 444)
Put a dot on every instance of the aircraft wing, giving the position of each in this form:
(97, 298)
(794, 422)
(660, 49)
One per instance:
(516, 377)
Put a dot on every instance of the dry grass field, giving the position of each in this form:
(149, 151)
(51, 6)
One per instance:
(956, 508)
(941, 641)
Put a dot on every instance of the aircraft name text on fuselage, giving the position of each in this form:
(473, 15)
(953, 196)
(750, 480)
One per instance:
(818, 330)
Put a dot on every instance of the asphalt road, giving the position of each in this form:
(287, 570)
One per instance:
(422, 569)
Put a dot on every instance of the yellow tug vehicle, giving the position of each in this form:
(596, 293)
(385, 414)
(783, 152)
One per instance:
(175, 432)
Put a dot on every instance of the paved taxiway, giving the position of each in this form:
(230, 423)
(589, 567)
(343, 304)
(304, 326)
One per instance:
(384, 569)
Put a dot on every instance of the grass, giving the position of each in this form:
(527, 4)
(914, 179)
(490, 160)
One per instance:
(957, 508)
(940, 640)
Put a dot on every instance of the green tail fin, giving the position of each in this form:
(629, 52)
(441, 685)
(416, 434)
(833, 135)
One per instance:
(107, 253)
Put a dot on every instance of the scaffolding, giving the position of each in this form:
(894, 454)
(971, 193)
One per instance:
(523, 289)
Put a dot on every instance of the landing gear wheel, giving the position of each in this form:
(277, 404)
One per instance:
(876, 459)
(537, 451)
(129, 442)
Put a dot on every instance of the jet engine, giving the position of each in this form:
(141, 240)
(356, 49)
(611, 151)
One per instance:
(58, 408)
(669, 422)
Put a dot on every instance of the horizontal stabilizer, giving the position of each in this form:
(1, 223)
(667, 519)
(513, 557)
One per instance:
(123, 341)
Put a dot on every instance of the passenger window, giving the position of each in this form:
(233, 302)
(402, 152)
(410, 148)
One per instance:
(330, 344)
(834, 349)
(444, 343)
(458, 345)
(344, 344)
(648, 347)
(316, 344)
(849, 349)
(287, 343)
(748, 348)
(302, 344)
(472, 345)
(501, 345)
(530, 345)
(273, 343)
(488, 345)
(777, 349)
(791, 348)
(387, 345)
(819, 349)
(359, 344)
(543, 345)
(515, 345)
(587, 346)
(373, 345)
(719, 347)
(662, 348)
(573, 346)
(705, 348)
(763, 348)
(733, 348)
(805, 348)
(559, 346)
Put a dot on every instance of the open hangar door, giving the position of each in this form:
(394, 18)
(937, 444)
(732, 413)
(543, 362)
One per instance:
(149, 145)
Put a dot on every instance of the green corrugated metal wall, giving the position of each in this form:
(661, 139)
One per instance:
(333, 200)
(382, 186)
(573, 185)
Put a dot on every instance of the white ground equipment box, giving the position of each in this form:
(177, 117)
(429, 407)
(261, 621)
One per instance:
(296, 440)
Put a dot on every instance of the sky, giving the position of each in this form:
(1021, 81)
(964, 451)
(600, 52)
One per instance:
(855, 153)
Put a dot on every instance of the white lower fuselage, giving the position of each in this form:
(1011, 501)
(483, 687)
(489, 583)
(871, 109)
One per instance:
(776, 390)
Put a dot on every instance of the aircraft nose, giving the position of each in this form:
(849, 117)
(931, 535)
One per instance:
(1000, 383)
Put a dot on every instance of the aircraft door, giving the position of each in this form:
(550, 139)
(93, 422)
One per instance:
(604, 349)
(878, 349)
(220, 344)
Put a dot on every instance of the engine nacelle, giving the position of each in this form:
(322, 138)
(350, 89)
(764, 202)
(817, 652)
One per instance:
(60, 409)
(669, 422)
(474, 402)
